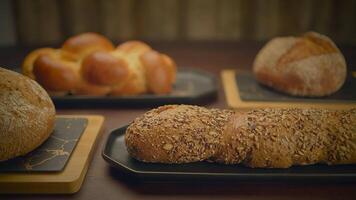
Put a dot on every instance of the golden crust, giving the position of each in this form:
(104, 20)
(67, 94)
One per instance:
(268, 138)
(54, 74)
(102, 68)
(27, 66)
(160, 72)
(81, 45)
(88, 64)
(133, 46)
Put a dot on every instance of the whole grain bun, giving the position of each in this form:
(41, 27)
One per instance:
(272, 138)
(310, 65)
(27, 115)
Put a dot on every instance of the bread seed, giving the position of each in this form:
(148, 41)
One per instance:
(168, 147)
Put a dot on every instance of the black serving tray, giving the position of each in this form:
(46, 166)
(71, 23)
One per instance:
(193, 86)
(115, 154)
(251, 90)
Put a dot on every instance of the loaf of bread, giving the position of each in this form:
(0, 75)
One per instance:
(27, 115)
(263, 138)
(310, 65)
(89, 64)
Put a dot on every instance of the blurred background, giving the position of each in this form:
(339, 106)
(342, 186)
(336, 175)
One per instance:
(40, 22)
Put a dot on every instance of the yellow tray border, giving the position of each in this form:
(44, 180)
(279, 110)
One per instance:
(233, 98)
(67, 181)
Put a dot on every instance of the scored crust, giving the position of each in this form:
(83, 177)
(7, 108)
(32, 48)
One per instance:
(27, 115)
(310, 65)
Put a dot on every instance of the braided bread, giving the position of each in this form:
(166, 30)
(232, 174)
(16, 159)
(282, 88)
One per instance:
(310, 65)
(269, 138)
(89, 64)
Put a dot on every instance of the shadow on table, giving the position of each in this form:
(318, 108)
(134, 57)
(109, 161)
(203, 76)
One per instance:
(228, 188)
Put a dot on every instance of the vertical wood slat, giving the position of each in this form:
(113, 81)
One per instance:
(266, 19)
(322, 16)
(50, 21)
(158, 19)
(293, 16)
(201, 21)
(7, 23)
(79, 16)
(38, 21)
(230, 19)
(117, 19)
(234, 19)
(344, 22)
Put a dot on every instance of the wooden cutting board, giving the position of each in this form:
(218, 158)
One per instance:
(70, 179)
(235, 100)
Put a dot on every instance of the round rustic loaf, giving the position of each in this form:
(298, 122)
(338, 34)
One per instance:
(27, 115)
(310, 65)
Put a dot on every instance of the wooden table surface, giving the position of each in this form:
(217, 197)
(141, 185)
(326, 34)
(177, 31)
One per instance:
(103, 182)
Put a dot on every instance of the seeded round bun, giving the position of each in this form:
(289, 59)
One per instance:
(27, 115)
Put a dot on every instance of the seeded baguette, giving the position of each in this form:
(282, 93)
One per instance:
(263, 138)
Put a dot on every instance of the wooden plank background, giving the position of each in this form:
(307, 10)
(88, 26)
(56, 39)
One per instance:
(38, 22)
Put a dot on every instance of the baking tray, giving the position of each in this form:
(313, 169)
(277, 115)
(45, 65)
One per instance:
(115, 154)
(193, 86)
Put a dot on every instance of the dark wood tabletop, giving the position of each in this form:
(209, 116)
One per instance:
(103, 182)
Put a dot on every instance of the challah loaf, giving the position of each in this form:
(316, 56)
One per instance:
(88, 64)
(310, 65)
(27, 115)
(271, 138)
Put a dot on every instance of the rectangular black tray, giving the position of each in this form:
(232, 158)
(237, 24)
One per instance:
(251, 90)
(193, 86)
(115, 153)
